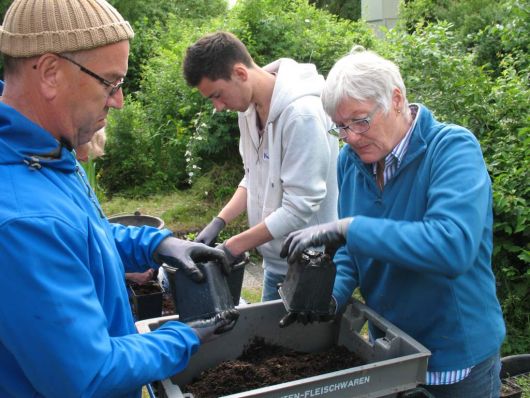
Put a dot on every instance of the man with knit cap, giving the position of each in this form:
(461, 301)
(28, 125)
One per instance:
(66, 329)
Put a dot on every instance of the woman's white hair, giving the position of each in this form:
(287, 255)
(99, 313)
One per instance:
(362, 76)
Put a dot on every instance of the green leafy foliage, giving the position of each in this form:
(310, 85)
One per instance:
(129, 163)
(149, 19)
(347, 9)
(491, 29)
(272, 29)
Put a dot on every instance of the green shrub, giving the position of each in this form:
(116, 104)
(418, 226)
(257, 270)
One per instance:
(128, 164)
(272, 29)
(439, 74)
(489, 28)
(149, 19)
(347, 9)
(507, 152)
(158, 10)
(507, 38)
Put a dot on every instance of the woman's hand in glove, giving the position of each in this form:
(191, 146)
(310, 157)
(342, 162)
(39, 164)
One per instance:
(332, 235)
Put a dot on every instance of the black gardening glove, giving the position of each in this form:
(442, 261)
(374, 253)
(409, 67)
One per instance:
(305, 317)
(209, 329)
(332, 235)
(232, 260)
(209, 234)
(183, 254)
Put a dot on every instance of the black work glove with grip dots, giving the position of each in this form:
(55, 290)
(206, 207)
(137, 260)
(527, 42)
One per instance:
(183, 255)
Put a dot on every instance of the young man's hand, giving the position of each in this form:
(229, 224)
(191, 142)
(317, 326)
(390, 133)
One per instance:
(209, 234)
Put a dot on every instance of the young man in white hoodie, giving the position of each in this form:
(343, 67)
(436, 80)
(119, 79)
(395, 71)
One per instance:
(289, 159)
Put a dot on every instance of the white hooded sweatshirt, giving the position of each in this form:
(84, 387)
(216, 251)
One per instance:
(290, 172)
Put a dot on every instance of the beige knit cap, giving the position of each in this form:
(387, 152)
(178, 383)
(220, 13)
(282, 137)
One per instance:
(35, 27)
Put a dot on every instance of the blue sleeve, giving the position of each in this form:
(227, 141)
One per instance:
(446, 240)
(136, 245)
(53, 327)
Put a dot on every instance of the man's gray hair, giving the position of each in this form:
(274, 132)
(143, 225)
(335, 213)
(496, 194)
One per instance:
(362, 76)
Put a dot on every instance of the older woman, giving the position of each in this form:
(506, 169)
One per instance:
(415, 209)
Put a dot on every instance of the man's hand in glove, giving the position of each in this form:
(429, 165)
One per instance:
(332, 235)
(209, 329)
(305, 317)
(232, 260)
(209, 234)
(183, 255)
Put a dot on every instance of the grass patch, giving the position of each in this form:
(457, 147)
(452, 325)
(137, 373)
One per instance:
(187, 211)
(251, 296)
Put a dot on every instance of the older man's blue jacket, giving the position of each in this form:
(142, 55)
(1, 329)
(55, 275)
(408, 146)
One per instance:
(66, 328)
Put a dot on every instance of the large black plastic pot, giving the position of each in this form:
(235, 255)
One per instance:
(513, 366)
(235, 279)
(137, 220)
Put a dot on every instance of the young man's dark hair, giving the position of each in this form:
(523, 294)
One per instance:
(203, 59)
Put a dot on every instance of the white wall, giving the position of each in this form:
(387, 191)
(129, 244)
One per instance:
(380, 13)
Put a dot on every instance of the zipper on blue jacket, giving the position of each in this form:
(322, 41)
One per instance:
(90, 192)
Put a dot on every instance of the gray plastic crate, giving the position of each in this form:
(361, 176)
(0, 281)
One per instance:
(394, 363)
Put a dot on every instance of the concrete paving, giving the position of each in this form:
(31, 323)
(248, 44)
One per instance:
(253, 277)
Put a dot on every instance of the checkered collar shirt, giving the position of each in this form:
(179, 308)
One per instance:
(395, 157)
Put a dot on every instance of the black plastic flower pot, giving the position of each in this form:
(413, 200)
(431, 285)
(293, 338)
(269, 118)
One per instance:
(147, 300)
(513, 367)
(308, 284)
(235, 279)
(199, 300)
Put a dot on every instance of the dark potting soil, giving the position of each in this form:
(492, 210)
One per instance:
(263, 364)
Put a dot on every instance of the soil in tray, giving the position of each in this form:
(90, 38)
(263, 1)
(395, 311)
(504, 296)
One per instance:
(263, 364)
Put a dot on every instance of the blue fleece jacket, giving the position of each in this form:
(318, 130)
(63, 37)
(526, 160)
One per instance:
(420, 250)
(66, 328)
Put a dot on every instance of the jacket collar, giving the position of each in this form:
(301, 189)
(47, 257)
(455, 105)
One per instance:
(22, 141)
